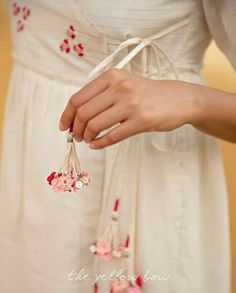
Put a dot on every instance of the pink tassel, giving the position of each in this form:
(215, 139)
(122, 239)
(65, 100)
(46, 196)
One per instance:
(69, 177)
(109, 245)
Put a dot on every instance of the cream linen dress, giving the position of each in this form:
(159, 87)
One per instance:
(171, 185)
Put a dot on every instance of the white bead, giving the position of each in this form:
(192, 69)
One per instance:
(126, 252)
(78, 184)
(93, 248)
(114, 215)
(69, 137)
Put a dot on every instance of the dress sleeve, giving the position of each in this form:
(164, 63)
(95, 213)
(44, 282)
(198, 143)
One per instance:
(221, 19)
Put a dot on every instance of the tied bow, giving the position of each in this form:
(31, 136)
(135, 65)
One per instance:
(140, 43)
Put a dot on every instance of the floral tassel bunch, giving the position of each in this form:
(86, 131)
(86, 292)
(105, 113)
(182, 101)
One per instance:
(109, 245)
(69, 177)
(127, 286)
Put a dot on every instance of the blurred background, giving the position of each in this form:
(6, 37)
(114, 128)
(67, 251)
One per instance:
(217, 72)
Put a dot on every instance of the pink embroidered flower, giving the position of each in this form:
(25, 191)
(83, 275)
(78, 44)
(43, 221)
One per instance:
(25, 12)
(65, 47)
(103, 249)
(85, 179)
(79, 49)
(119, 286)
(16, 8)
(84, 174)
(71, 32)
(20, 26)
(63, 183)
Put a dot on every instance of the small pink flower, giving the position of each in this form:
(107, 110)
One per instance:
(71, 32)
(63, 183)
(25, 12)
(65, 47)
(103, 246)
(119, 286)
(85, 180)
(103, 249)
(16, 8)
(79, 49)
(19, 26)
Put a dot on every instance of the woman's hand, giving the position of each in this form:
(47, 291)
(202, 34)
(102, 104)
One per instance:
(135, 103)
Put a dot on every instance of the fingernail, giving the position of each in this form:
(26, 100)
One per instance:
(78, 138)
(61, 126)
(92, 146)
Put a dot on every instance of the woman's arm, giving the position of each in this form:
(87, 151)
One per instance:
(216, 112)
(135, 104)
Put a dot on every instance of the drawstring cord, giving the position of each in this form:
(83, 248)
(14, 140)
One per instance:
(141, 43)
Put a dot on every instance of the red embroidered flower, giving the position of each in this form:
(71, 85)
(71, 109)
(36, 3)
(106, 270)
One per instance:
(65, 45)
(20, 24)
(26, 12)
(79, 49)
(71, 32)
(16, 8)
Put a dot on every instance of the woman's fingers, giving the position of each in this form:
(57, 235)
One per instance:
(90, 90)
(86, 93)
(124, 130)
(103, 121)
(91, 109)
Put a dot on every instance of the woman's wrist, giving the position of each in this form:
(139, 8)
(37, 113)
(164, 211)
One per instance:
(196, 105)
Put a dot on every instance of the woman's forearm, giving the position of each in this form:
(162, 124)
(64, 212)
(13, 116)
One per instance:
(214, 112)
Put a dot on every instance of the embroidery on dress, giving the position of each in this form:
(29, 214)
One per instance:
(70, 43)
(23, 13)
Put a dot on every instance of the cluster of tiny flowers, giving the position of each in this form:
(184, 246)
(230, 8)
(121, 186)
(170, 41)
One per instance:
(25, 13)
(125, 286)
(62, 182)
(104, 250)
(65, 45)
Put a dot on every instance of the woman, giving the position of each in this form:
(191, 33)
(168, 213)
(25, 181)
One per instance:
(156, 168)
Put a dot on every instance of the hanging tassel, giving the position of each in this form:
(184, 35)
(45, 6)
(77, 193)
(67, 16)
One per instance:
(95, 288)
(125, 285)
(69, 177)
(109, 245)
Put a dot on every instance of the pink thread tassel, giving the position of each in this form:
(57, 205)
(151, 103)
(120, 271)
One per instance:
(126, 286)
(109, 245)
(69, 177)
